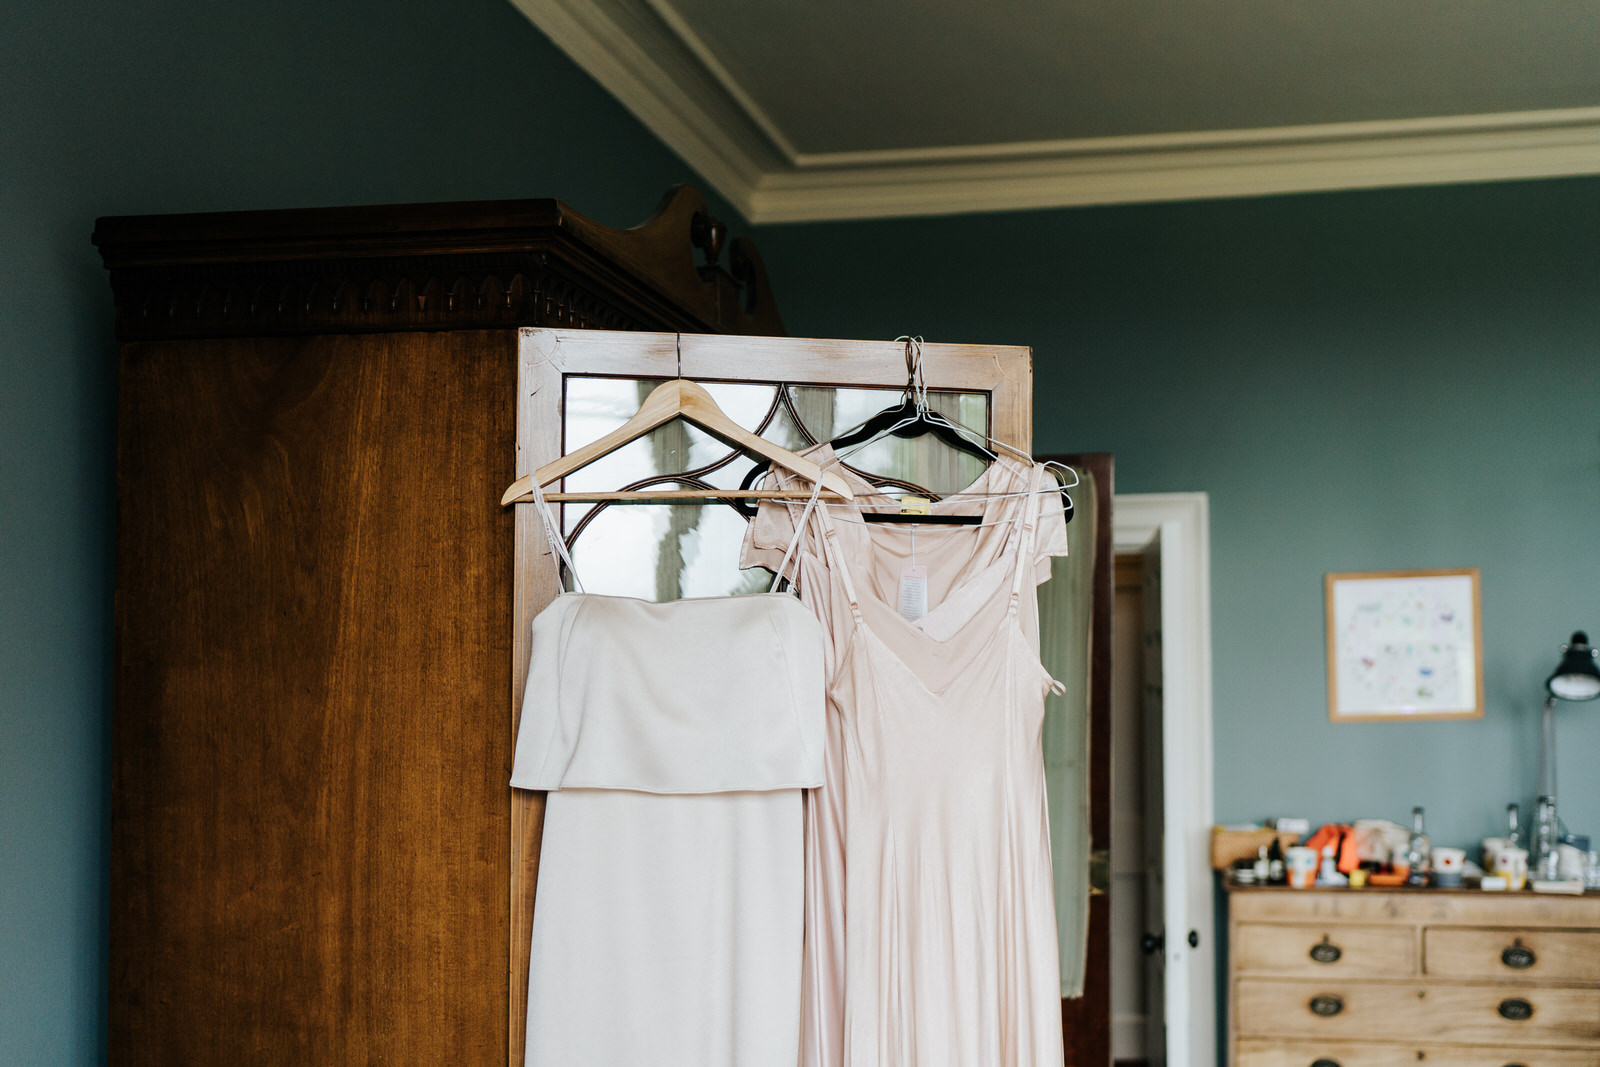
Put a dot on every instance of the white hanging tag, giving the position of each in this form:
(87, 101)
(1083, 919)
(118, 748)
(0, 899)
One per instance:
(913, 603)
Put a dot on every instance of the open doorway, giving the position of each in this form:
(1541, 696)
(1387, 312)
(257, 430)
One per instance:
(1163, 955)
(1131, 937)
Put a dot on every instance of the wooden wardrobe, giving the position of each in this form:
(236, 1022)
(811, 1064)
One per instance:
(311, 823)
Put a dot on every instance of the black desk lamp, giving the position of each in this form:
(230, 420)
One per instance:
(1576, 678)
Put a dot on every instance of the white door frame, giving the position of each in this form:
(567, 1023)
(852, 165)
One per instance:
(1183, 522)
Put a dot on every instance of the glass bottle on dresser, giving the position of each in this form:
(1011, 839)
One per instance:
(1419, 851)
(1546, 842)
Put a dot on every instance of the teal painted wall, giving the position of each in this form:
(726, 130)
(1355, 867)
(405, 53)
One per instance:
(180, 105)
(1362, 381)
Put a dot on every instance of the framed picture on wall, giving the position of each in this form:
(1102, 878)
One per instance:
(1404, 645)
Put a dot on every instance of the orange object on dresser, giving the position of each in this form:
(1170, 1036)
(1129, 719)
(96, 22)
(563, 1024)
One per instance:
(1344, 841)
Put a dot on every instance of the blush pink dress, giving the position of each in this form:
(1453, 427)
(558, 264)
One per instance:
(930, 938)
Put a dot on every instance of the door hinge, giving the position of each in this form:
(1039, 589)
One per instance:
(1099, 872)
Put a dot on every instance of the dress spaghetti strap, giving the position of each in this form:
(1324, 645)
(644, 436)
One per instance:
(558, 544)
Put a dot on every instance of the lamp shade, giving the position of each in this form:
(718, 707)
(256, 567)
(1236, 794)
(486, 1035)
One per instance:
(1578, 676)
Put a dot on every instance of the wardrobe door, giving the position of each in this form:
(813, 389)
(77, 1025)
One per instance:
(576, 385)
(309, 821)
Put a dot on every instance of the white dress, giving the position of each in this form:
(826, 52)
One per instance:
(675, 740)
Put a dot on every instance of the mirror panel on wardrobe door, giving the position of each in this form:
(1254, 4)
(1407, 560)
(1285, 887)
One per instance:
(596, 406)
(829, 413)
(663, 552)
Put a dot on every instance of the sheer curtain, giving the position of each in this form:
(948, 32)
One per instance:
(1065, 617)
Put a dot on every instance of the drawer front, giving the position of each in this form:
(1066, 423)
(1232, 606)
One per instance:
(1507, 954)
(1465, 907)
(1476, 1013)
(1259, 1052)
(1333, 949)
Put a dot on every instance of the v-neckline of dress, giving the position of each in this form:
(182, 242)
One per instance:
(866, 589)
(953, 669)
(955, 596)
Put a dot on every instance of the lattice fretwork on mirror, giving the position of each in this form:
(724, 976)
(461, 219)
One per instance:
(667, 551)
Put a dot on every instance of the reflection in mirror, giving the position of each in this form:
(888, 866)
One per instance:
(783, 430)
(923, 461)
(665, 552)
(596, 406)
(669, 551)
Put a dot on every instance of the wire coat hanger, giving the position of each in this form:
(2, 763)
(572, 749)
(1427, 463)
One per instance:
(911, 418)
(914, 417)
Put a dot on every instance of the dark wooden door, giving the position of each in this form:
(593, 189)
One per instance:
(1086, 1019)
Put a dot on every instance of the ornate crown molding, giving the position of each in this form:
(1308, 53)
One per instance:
(653, 63)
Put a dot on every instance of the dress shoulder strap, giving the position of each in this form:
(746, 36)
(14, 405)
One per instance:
(836, 562)
(794, 541)
(557, 543)
(1032, 507)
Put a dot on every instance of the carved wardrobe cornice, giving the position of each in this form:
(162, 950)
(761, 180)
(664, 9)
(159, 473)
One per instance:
(431, 267)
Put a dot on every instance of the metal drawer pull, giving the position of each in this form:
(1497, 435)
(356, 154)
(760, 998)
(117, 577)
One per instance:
(1327, 1005)
(1324, 1063)
(1519, 956)
(1328, 952)
(1516, 1009)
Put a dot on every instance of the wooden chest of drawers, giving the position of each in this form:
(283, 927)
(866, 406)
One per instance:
(1384, 978)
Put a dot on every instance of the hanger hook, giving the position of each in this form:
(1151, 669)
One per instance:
(916, 380)
(677, 343)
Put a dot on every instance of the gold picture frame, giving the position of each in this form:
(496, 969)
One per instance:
(1404, 646)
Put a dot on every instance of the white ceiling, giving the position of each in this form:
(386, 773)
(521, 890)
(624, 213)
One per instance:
(811, 109)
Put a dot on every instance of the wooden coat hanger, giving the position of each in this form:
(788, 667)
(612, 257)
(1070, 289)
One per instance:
(680, 398)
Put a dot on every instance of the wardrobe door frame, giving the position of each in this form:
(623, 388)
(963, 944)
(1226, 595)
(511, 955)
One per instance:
(546, 357)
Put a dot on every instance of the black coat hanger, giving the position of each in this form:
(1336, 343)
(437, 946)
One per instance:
(910, 418)
(758, 470)
(907, 420)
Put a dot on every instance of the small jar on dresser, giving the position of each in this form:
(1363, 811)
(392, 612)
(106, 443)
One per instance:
(1390, 977)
